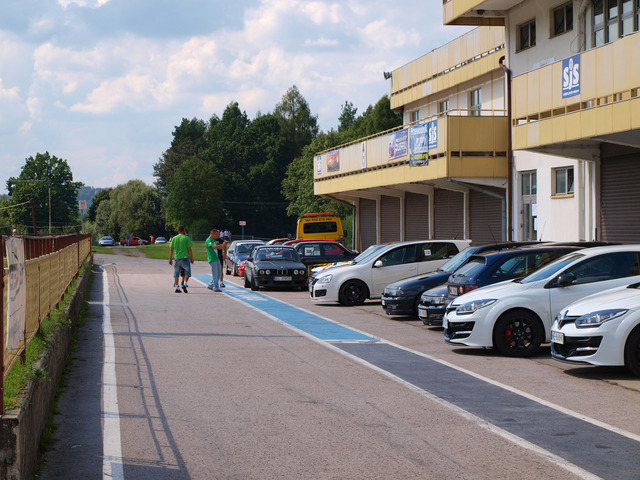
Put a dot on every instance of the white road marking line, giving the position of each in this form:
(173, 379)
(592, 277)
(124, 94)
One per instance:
(111, 443)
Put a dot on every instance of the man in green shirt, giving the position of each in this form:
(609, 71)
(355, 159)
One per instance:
(181, 246)
(214, 251)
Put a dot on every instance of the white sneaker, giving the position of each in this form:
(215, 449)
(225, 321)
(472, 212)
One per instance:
(221, 285)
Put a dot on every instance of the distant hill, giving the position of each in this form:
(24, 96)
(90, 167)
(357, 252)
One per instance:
(87, 193)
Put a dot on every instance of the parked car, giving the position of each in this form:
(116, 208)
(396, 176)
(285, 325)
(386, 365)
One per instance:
(160, 240)
(277, 241)
(353, 283)
(274, 266)
(402, 298)
(515, 316)
(486, 269)
(134, 241)
(321, 252)
(315, 271)
(602, 329)
(106, 241)
(238, 250)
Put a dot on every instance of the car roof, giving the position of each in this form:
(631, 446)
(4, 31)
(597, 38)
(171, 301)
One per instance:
(525, 249)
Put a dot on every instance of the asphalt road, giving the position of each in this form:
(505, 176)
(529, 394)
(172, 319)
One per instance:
(245, 385)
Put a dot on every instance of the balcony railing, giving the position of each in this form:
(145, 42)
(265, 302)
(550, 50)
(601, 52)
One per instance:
(464, 143)
(605, 97)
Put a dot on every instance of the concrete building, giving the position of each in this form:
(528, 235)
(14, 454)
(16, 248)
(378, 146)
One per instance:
(558, 162)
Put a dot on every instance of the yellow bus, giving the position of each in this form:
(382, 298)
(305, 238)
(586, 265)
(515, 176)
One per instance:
(320, 226)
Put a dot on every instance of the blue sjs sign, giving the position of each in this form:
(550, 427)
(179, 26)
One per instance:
(571, 76)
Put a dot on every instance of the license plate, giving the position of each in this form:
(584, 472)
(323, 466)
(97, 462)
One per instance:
(422, 312)
(282, 279)
(445, 323)
(557, 337)
(383, 303)
(453, 291)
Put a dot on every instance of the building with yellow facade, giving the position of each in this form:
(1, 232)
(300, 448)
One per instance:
(558, 162)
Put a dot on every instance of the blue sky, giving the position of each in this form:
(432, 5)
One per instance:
(103, 83)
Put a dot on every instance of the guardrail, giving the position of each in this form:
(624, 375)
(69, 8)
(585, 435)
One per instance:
(39, 270)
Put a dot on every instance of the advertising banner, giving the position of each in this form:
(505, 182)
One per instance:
(398, 144)
(16, 308)
(433, 134)
(363, 154)
(419, 145)
(319, 164)
(333, 161)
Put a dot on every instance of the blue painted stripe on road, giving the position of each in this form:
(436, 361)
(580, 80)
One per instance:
(311, 324)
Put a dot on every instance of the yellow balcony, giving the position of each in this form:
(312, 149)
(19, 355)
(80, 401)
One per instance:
(467, 147)
(607, 107)
(468, 57)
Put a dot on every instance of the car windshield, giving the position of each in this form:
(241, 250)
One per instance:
(277, 254)
(471, 269)
(245, 247)
(552, 268)
(455, 263)
(369, 252)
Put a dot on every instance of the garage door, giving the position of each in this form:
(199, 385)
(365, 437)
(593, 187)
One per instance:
(416, 216)
(367, 223)
(448, 208)
(485, 217)
(389, 219)
(620, 194)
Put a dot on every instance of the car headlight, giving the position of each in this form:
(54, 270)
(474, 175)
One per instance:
(394, 292)
(470, 307)
(325, 278)
(260, 272)
(434, 299)
(595, 319)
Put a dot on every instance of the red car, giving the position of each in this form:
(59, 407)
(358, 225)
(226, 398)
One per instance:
(134, 241)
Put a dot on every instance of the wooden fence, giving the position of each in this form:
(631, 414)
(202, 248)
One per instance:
(51, 264)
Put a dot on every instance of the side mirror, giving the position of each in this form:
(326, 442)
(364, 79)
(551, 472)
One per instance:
(378, 264)
(564, 280)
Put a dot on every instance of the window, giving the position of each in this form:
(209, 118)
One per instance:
(527, 35)
(437, 251)
(605, 267)
(613, 19)
(562, 19)
(475, 104)
(415, 115)
(529, 187)
(405, 254)
(443, 106)
(563, 181)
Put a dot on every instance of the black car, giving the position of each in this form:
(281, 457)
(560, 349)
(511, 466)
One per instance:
(274, 266)
(486, 269)
(402, 298)
(322, 252)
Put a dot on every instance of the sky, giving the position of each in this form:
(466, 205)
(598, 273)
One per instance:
(103, 83)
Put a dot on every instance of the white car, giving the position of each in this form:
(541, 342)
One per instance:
(603, 329)
(367, 275)
(515, 316)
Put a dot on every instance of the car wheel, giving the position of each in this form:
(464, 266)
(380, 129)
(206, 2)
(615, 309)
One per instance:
(246, 282)
(254, 285)
(632, 352)
(518, 333)
(227, 271)
(353, 292)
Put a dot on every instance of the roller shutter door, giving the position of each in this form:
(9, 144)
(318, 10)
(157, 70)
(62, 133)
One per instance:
(367, 223)
(485, 222)
(389, 219)
(620, 194)
(416, 216)
(448, 209)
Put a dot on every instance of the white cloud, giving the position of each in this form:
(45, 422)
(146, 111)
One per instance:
(83, 3)
(12, 93)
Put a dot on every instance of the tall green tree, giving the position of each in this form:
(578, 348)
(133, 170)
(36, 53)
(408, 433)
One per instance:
(95, 202)
(41, 175)
(189, 140)
(133, 208)
(297, 125)
(194, 196)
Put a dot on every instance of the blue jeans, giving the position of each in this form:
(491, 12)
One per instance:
(215, 275)
(184, 263)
